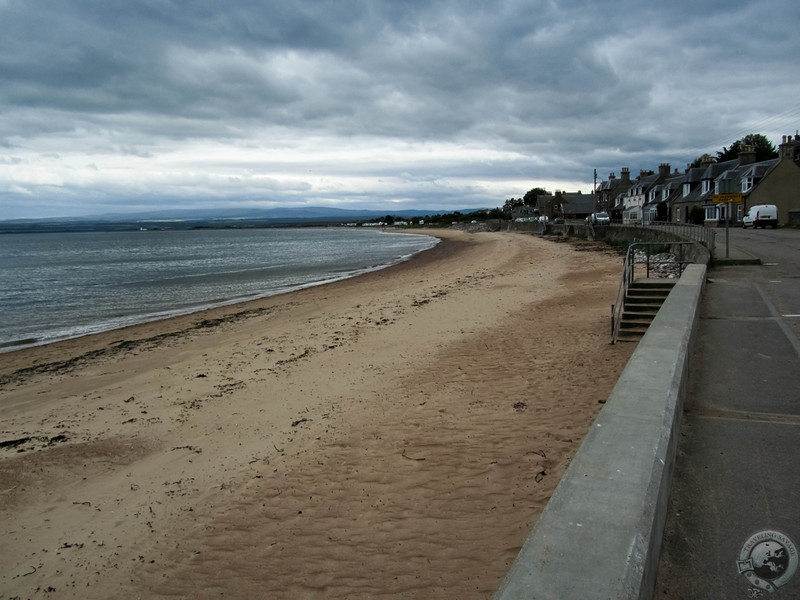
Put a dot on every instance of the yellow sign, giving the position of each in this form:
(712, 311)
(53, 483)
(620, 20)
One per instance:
(727, 198)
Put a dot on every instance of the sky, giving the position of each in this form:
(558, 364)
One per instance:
(130, 105)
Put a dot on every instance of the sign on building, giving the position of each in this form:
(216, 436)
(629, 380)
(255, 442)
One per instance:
(726, 198)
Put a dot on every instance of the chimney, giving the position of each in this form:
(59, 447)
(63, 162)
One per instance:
(626, 174)
(663, 170)
(787, 147)
(747, 155)
(611, 176)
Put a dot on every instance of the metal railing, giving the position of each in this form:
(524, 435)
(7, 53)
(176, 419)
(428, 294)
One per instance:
(629, 274)
(698, 233)
(616, 308)
(590, 229)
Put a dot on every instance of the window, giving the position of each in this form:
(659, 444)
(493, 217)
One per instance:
(747, 184)
(711, 213)
(706, 186)
(716, 187)
(687, 188)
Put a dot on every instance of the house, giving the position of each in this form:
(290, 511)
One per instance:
(738, 180)
(689, 197)
(546, 205)
(524, 211)
(779, 185)
(685, 206)
(576, 205)
(637, 196)
(694, 199)
(569, 205)
(774, 181)
(656, 209)
(608, 191)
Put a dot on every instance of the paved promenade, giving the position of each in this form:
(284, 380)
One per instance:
(733, 524)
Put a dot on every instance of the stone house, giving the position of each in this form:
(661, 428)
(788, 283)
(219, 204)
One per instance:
(779, 185)
(656, 209)
(569, 205)
(608, 191)
(638, 194)
(688, 197)
(524, 211)
(774, 181)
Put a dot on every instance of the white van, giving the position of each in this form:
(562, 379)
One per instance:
(761, 215)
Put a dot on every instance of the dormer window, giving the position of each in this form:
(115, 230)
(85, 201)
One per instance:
(687, 188)
(747, 184)
(706, 186)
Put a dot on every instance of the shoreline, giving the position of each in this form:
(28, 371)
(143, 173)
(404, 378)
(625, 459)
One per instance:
(32, 341)
(182, 323)
(394, 434)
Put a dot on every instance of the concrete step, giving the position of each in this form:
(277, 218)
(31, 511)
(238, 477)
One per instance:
(648, 292)
(653, 282)
(644, 299)
(639, 307)
(630, 323)
(627, 335)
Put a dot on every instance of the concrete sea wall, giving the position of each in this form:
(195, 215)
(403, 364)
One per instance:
(600, 534)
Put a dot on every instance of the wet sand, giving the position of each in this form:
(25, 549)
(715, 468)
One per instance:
(392, 435)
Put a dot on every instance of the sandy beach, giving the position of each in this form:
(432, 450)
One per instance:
(391, 435)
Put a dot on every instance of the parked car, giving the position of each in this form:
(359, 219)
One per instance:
(761, 215)
(599, 218)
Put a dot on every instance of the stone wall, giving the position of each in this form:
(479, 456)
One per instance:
(617, 235)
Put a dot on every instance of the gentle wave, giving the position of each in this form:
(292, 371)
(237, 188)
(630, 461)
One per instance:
(61, 286)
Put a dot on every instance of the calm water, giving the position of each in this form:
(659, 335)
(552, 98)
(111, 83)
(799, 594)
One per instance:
(59, 285)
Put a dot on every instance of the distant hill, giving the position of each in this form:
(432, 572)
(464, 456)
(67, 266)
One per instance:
(209, 218)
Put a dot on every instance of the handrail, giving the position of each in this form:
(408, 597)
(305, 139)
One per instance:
(629, 271)
(648, 262)
(616, 308)
(703, 235)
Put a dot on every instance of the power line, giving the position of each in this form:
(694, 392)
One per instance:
(788, 119)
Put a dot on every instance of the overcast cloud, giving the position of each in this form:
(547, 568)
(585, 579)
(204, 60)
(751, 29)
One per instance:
(122, 105)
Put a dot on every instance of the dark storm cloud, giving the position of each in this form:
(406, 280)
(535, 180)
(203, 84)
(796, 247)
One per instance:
(370, 101)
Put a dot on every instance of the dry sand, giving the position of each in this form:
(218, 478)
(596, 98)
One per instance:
(392, 435)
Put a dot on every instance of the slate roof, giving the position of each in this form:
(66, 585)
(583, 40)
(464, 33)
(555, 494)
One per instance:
(577, 204)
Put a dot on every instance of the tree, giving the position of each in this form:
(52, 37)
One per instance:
(478, 215)
(510, 204)
(530, 196)
(763, 148)
(705, 158)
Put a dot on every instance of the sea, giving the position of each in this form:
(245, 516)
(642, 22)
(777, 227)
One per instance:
(55, 286)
